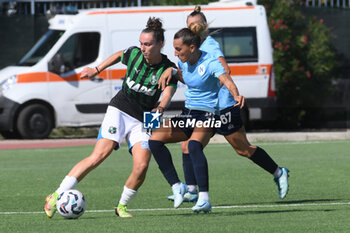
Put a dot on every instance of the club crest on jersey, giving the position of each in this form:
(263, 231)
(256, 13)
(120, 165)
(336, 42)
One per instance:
(154, 80)
(201, 69)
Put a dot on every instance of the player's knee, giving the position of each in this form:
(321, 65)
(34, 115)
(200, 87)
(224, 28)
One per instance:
(244, 153)
(140, 168)
(184, 147)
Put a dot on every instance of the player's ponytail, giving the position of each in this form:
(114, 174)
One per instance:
(155, 25)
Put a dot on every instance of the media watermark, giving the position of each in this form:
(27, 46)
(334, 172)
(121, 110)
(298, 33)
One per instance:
(154, 120)
(151, 120)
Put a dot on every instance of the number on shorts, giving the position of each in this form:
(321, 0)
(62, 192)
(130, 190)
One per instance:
(225, 118)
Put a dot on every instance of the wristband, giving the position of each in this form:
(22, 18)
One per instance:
(98, 71)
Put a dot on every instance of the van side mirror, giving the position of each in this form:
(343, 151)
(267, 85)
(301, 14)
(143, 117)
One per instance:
(56, 64)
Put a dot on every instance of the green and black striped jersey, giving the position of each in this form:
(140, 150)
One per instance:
(140, 87)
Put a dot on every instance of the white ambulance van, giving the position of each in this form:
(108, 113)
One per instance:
(44, 90)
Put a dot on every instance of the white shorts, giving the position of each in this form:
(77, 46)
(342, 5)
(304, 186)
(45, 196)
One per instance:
(118, 125)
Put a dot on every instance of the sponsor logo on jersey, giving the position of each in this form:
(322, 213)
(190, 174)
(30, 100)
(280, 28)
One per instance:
(139, 88)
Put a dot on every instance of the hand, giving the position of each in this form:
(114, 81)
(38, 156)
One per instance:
(159, 109)
(240, 101)
(165, 79)
(88, 73)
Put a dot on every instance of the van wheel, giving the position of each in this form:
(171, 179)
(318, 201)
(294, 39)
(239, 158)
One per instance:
(10, 134)
(35, 122)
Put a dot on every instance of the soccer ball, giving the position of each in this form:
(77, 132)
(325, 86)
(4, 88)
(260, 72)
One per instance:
(71, 204)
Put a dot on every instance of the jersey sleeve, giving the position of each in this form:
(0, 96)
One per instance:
(126, 55)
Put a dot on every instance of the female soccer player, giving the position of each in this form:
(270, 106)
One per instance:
(202, 74)
(232, 127)
(124, 114)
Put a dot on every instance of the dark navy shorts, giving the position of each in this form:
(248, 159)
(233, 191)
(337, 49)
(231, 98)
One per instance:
(190, 115)
(231, 120)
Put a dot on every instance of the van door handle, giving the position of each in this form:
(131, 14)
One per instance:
(96, 79)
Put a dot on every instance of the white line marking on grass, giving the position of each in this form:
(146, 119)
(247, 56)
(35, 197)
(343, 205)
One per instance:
(214, 207)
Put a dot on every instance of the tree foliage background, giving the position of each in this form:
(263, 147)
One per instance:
(304, 62)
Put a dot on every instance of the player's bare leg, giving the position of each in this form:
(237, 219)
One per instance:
(141, 157)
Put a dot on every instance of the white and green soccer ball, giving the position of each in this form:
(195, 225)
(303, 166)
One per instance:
(71, 204)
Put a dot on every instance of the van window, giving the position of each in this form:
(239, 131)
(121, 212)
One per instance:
(41, 48)
(237, 44)
(79, 50)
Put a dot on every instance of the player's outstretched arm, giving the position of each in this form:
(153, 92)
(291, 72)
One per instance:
(170, 72)
(89, 72)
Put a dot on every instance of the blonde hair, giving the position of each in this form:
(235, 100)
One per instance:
(200, 29)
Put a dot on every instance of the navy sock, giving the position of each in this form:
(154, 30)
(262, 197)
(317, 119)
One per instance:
(262, 159)
(200, 165)
(165, 163)
(187, 165)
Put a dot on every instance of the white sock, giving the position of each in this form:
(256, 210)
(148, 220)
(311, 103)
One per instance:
(192, 188)
(203, 195)
(69, 182)
(127, 195)
(278, 172)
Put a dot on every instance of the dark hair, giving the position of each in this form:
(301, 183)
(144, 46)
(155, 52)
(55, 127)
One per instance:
(197, 11)
(188, 37)
(155, 25)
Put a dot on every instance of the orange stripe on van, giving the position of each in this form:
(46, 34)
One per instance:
(32, 77)
(250, 69)
(72, 78)
(168, 10)
(51, 77)
(115, 74)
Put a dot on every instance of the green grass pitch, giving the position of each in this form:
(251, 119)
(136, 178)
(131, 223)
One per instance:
(244, 196)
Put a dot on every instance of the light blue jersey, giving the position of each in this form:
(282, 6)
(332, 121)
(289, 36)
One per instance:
(211, 46)
(202, 82)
